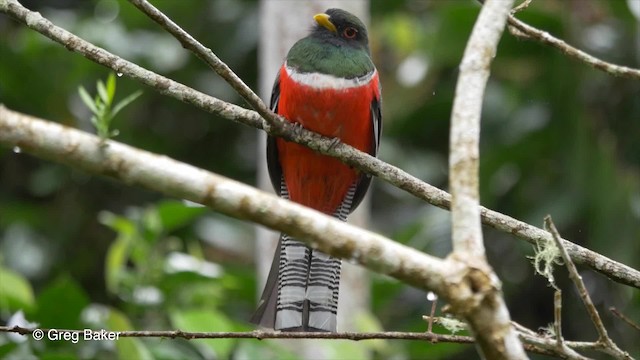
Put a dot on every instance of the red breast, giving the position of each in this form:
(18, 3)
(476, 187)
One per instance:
(315, 180)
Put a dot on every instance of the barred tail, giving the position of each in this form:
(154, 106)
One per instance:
(301, 293)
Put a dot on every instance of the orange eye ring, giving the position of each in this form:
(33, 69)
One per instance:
(349, 33)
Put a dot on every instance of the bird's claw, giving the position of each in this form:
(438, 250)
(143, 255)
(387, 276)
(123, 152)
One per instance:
(334, 142)
(297, 129)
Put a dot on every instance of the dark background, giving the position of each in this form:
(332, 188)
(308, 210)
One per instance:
(558, 137)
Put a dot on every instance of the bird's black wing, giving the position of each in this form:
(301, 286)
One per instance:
(365, 179)
(273, 160)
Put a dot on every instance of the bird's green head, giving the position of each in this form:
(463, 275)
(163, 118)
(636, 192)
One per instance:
(337, 45)
(341, 28)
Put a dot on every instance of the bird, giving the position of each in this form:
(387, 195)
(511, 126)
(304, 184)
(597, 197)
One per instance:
(327, 84)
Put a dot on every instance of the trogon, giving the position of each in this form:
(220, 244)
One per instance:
(329, 85)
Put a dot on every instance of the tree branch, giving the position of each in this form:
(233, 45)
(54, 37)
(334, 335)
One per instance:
(624, 318)
(525, 31)
(135, 167)
(109, 158)
(533, 343)
(261, 335)
(461, 280)
(610, 347)
(205, 54)
(487, 313)
(616, 271)
(99, 55)
(464, 153)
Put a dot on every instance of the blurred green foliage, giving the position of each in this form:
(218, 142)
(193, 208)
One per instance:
(77, 251)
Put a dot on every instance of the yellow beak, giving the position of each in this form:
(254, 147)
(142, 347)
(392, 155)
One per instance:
(323, 20)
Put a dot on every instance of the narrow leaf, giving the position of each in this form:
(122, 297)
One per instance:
(111, 86)
(102, 91)
(94, 121)
(124, 102)
(87, 100)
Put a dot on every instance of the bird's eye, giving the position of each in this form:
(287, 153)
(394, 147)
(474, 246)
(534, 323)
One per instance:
(350, 33)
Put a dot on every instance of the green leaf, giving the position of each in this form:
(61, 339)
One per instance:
(63, 354)
(15, 291)
(87, 100)
(115, 263)
(111, 87)
(10, 350)
(118, 321)
(118, 252)
(205, 320)
(119, 224)
(60, 304)
(151, 224)
(95, 122)
(342, 349)
(175, 214)
(102, 92)
(127, 348)
(124, 102)
(366, 321)
(250, 349)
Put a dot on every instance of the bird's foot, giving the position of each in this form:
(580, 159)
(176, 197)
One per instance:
(297, 129)
(334, 142)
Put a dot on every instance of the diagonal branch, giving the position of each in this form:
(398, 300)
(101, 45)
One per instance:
(206, 55)
(136, 167)
(451, 279)
(624, 318)
(109, 158)
(603, 337)
(614, 270)
(99, 55)
(523, 30)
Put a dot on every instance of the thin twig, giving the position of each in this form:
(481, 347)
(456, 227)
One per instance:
(561, 345)
(206, 55)
(525, 4)
(603, 336)
(522, 329)
(616, 271)
(624, 318)
(526, 333)
(260, 335)
(522, 30)
(99, 55)
(529, 32)
(557, 317)
(551, 346)
(577, 279)
(432, 313)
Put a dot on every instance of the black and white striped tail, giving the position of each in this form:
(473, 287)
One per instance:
(305, 285)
